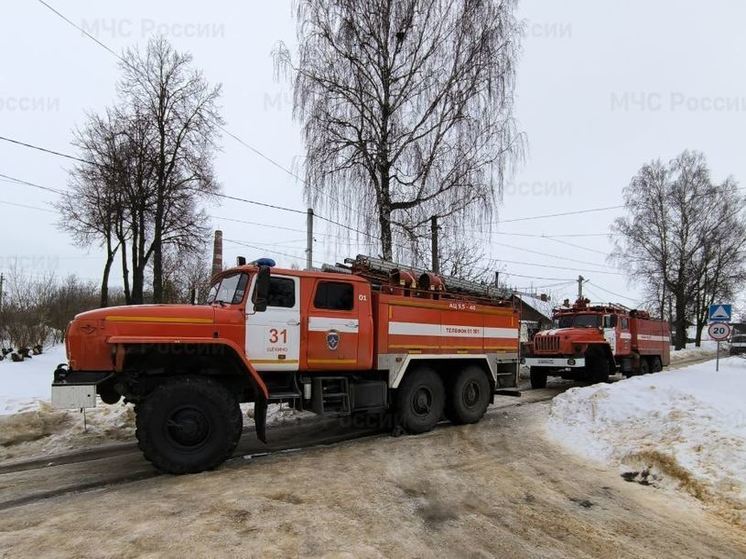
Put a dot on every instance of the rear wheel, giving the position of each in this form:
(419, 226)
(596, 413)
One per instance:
(188, 425)
(538, 377)
(644, 366)
(655, 365)
(420, 400)
(470, 396)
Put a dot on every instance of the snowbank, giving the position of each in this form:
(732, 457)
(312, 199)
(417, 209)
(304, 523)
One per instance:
(684, 428)
(691, 353)
(24, 384)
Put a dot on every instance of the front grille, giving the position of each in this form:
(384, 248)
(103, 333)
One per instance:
(547, 343)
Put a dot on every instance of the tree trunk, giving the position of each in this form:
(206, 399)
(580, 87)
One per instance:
(126, 275)
(384, 220)
(681, 301)
(698, 337)
(104, 302)
(158, 270)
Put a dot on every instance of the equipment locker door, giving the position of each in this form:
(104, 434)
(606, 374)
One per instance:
(333, 326)
(273, 336)
(625, 337)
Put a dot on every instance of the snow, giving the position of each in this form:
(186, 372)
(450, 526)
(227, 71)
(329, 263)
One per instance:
(683, 428)
(708, 349)
(24, 384)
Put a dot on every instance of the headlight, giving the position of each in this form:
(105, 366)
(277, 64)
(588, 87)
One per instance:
(571, 362)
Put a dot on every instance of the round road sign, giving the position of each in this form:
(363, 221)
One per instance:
(719, 331)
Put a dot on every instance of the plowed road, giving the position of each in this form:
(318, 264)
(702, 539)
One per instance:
(498, 488)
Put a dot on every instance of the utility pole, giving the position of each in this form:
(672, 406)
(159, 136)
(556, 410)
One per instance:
(434, 233)
(2, 283)
(309, 239)
(581, 279)
(497, 280)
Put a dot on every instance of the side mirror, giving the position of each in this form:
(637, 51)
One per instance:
(261, 291)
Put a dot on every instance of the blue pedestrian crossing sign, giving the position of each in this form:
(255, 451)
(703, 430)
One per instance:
(720, 313)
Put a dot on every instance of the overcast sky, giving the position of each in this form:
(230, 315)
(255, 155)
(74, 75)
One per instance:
(603, 87)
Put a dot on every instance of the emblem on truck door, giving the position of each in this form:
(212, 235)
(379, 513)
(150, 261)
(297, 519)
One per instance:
(332, 339)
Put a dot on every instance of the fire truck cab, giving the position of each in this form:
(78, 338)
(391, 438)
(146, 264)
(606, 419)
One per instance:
(590, 342)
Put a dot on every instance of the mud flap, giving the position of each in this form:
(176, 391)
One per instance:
(260, 418)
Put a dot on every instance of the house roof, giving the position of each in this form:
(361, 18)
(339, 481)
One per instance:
(542, 307)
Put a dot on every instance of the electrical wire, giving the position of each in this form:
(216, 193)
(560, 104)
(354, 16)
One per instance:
(560, 267)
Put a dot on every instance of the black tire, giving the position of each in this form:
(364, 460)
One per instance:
(469, 396)
(644, 366)
(420, 400)
(109, 396)
(538, 377)
(599, 368)
(655, 365)
(188, 425)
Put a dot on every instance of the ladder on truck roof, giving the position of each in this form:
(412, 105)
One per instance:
(379, 272)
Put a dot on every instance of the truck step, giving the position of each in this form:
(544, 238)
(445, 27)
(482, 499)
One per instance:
(274, 396)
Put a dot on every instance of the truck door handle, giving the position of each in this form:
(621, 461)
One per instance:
(351, 325)
(293, 322)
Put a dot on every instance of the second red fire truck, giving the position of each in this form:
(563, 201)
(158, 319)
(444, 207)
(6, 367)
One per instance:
(592, 341)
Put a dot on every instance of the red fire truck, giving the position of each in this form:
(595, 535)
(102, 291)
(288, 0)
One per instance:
(368, 337)
(591, 341)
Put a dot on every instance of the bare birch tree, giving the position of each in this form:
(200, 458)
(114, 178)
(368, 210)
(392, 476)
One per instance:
(683, 238)
(406, 108)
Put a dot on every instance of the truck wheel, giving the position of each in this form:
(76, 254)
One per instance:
(470, 396)
(655, 365)
(538, 377)
(188, 425)
(599, 370)
(644, 366)
(420, 400)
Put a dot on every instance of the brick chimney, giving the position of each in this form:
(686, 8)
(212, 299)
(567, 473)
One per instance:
(217, 253)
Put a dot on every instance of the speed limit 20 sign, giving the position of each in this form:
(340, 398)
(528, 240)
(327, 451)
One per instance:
(719, 331)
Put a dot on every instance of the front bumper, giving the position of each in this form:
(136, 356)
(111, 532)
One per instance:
(554, 362)
(76, 389)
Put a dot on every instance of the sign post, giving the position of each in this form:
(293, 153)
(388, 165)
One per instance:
(718, 331)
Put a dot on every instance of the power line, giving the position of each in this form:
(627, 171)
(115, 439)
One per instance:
(566, 280)
(537, 252)
(550, 286)
(256, 223)
(546, 216)
(262, 204)
(581, 247)
(260, 249)
(53, 152)
(613, 293)
(81, 30)
(34, 185)
(560, 267)
(27, 206)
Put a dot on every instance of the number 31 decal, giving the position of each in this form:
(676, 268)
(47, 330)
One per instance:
(275, 335)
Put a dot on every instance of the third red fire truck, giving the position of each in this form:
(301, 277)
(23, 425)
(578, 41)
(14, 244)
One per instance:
(591, 341)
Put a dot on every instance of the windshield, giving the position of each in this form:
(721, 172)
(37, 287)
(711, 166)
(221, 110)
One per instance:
(229, 289)
(578, 321)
